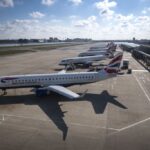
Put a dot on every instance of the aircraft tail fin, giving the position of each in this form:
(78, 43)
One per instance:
(115, 64)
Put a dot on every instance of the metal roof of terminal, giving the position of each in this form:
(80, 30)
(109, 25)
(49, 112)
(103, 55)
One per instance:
(128, 44)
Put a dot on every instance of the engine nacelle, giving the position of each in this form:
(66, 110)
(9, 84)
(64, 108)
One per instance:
(88, 64)
(42, 92)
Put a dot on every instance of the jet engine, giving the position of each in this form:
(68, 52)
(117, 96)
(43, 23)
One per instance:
(42, 92)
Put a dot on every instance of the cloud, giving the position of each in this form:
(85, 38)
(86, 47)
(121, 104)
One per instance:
(85, 22)
(105, 8)
(56, 21)
(122, 18)
(44, 29)
(146, 10)
(119, 27)
(37, 14)
(107, 13)
(6, 3)
(104, 5)
(76, 2)
(143, 19)
(31, 28)
(48, 2)
(24, 21)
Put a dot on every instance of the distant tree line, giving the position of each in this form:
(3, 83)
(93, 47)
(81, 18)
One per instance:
(55, 39)
(8, 41)
(51, 39)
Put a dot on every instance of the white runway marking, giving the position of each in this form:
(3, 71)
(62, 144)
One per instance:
(139, 70)
(2, 118)
(134, 124)
(98, 127)
(142, 88)
(18, 116)
(77, 124)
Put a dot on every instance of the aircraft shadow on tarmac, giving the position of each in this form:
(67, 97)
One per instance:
(50, 105)
(100, 101)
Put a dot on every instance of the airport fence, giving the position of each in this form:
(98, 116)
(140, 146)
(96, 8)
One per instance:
(142, 57)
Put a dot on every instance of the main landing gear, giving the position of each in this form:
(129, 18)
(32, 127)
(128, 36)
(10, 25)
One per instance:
(4, 92)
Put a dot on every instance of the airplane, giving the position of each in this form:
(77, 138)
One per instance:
(86, 60)
(94, 53)
(109, 45)
(43, 84)
(106, 49)
(99, 49)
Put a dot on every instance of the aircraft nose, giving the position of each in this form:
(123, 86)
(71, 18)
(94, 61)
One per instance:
(62, 63)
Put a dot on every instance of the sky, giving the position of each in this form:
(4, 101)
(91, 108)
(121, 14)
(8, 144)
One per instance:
(96, 19)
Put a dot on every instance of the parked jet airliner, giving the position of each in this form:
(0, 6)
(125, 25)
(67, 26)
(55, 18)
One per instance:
(86, 60)
(103, 47)
(43, 84)
(94, 53)
(98, 47)
(108, 49)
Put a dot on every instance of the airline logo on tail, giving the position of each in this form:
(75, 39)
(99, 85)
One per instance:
(115, 63)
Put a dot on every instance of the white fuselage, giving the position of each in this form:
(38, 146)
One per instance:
(93, 53)
(82, 60)
(98, 49)
(43, 80)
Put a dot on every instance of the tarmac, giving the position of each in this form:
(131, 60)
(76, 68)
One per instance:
(113, 115)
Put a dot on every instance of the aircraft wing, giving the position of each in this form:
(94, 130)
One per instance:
(62, 72)
(63, 91)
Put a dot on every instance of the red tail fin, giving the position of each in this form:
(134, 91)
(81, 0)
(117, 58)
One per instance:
(115, 63)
